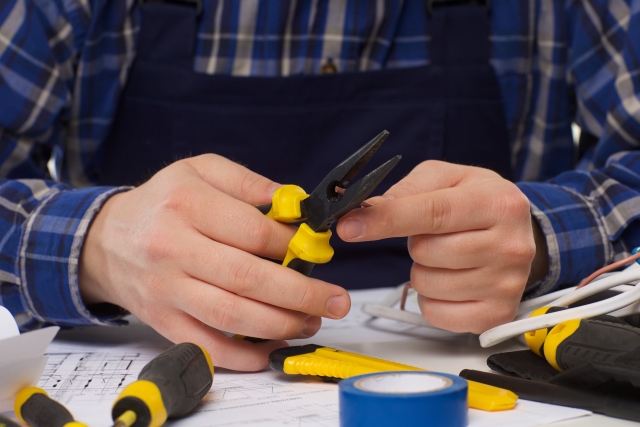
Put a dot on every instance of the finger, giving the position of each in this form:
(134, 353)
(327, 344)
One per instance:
(225, 352)
(468, 249)
(433, 175)
(442, 211)
(467, 284)
(232, 313)
(233, 179)
(233, 222)
(244, 274)
(467, 316)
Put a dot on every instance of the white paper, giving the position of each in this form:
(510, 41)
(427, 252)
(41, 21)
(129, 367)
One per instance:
(8, 326)
(28, 345)
(18, 375)
(22, 362)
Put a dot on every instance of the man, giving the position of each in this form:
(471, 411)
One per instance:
(113, 91)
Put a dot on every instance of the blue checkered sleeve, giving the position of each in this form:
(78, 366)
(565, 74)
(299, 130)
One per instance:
(43, 222)
(590, 214)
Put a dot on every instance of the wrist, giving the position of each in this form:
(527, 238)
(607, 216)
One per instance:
(93, 266)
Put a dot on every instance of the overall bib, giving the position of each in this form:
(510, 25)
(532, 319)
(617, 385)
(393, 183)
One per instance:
(294, 130)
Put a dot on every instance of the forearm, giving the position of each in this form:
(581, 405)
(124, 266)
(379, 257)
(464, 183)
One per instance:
(44, 225)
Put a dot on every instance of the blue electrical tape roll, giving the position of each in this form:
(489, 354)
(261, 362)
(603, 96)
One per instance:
(405, 399)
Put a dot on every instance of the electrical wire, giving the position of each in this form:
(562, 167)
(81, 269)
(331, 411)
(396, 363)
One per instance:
(616, 265)
(504, 332)
(624, 304)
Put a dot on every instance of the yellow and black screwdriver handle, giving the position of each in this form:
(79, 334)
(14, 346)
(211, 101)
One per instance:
(6, 422)
(307, 247)
(34, 407)
(578, 341)
(171, 385)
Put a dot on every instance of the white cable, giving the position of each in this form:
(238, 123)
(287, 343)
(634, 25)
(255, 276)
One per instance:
(626, 276)
(627, 311)
(504, 332)
(531, 305)
(376, 310)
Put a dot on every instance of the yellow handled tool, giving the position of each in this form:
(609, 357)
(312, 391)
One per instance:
(321, 361)
(327, 203)
(575, 342)
(581, 340)
(34, 407)
(171, 385)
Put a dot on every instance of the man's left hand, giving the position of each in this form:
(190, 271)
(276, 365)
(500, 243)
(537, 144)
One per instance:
(470, 237)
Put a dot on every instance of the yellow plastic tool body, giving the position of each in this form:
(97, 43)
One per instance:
(306, 244)
(535, 339)
(309, 246)
(150, 394)
(285, 204)
(329, 362)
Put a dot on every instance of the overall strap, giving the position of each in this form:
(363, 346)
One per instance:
(460, 32)
(168, 31)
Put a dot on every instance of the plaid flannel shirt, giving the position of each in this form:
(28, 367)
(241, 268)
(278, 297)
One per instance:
(63, 64)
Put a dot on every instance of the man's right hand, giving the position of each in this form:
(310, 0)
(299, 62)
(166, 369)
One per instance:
(182, 253)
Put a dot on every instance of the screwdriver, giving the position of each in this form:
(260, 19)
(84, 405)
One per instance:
(536, 339)
(170, 385)
(34, 407)
(579, 341)
(6, 422)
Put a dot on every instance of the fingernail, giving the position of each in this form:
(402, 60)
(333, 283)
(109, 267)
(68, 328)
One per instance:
(338, 306)
(311, 326)
(273, 187)
(352, 229)
(389, 196)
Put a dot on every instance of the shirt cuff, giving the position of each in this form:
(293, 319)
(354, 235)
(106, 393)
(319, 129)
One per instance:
(49, 258)
(576, 239)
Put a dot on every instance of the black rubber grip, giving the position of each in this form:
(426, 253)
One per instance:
(301, 266)
(264, 208)
(277, 357)
(601, 342)
(183, 376)
(6, 422)
(603, 317)
(41, 411)
(558, 395)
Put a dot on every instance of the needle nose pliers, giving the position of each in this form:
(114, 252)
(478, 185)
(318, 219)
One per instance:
(330, 200)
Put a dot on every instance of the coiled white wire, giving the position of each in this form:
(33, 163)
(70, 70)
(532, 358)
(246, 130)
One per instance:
(625, 303)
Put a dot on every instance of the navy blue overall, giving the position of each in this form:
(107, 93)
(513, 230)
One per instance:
(294, 130)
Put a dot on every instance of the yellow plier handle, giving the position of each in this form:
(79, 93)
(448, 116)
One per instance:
(307, 247)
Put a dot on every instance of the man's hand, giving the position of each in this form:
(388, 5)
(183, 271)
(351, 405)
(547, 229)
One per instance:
(182, 253)
(470, 237)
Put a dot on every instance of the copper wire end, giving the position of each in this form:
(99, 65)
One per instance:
(405, 292)
(341, 192)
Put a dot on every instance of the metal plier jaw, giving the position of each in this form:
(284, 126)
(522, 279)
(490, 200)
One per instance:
(327, 203)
